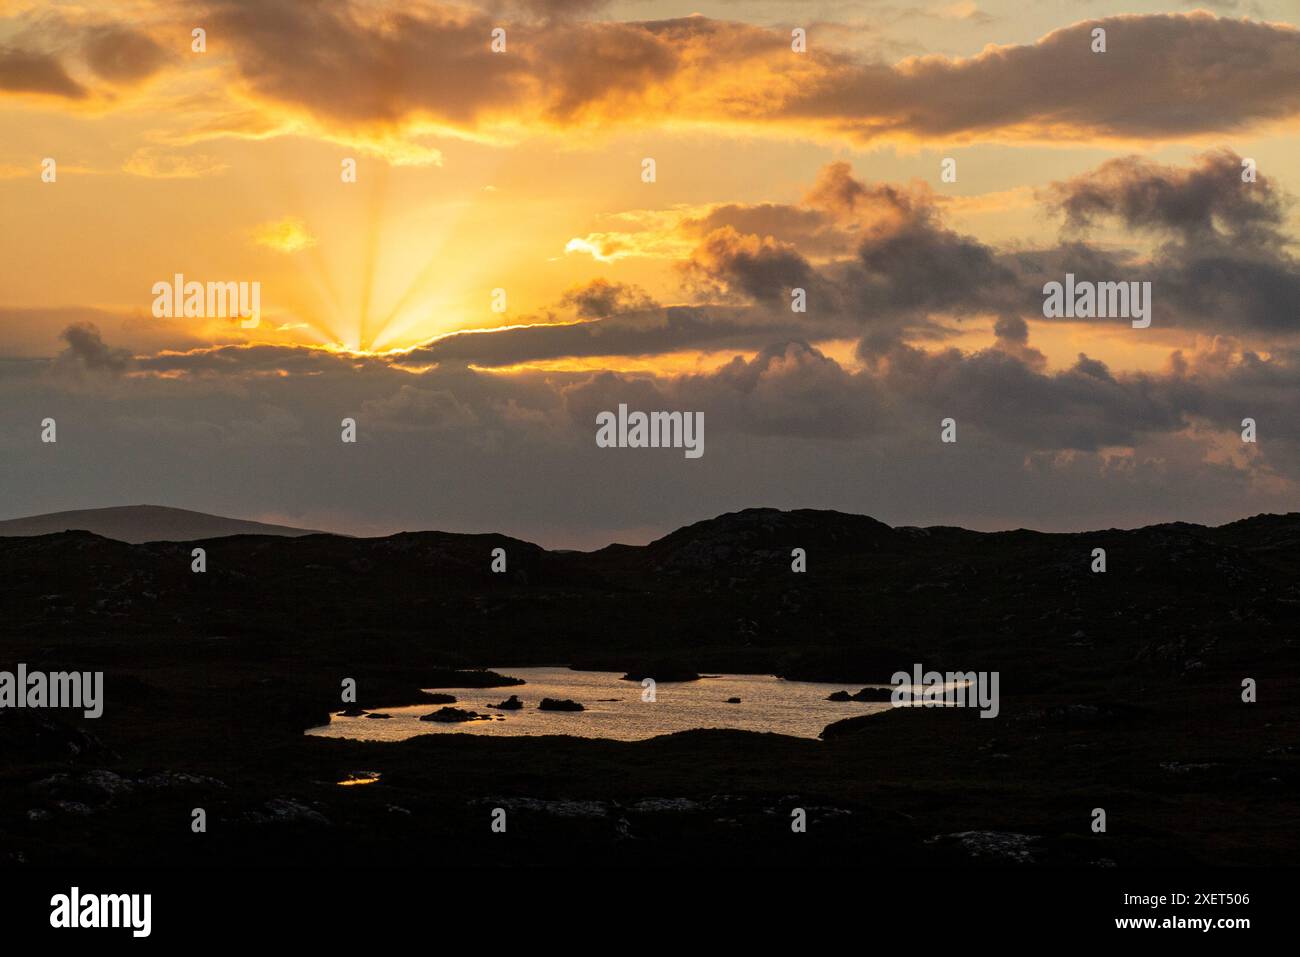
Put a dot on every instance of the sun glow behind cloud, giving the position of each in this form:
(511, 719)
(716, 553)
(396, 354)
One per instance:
(288, 235)
(521, 172)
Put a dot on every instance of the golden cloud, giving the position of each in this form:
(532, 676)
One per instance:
(287, 235)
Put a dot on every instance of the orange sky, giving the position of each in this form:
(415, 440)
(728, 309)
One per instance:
(207, 166)
(521, 171)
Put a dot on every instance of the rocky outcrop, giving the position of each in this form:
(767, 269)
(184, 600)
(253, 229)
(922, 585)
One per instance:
(451, 715)
(875, 694)
(559, 704)
(866, 694)
(662, 671)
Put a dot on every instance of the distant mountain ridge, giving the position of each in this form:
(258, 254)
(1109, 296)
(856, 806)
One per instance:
(1175, 600)
(136, 524)
(743, 531)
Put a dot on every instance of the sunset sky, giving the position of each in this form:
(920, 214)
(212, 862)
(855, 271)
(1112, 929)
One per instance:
(522, 171)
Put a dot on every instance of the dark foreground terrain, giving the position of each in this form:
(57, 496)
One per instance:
(1120, 691)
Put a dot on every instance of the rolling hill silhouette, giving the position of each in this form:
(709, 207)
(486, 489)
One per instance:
(716, 595)
(142, 523)
(1119, 689)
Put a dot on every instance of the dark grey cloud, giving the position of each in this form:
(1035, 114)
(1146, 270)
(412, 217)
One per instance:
(27, 71)
(87, 350)
(242, 360)
(601, 298)
(411, 408)
(837, 191)
(50, 52)
(1229, 293)
(729, 265)
(789, 389)
(902, 265)
(903, 273)
(639, 333)
(544, 9)
(812, 231)
(121, 54)
(1151, 82)
(1226, 263)
(792, 389)
(1084, 408)
(464, 450)
(1206, 203)
(340, 62)
(921, 266)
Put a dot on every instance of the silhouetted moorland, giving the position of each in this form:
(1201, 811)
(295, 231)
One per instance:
(1119, 690)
